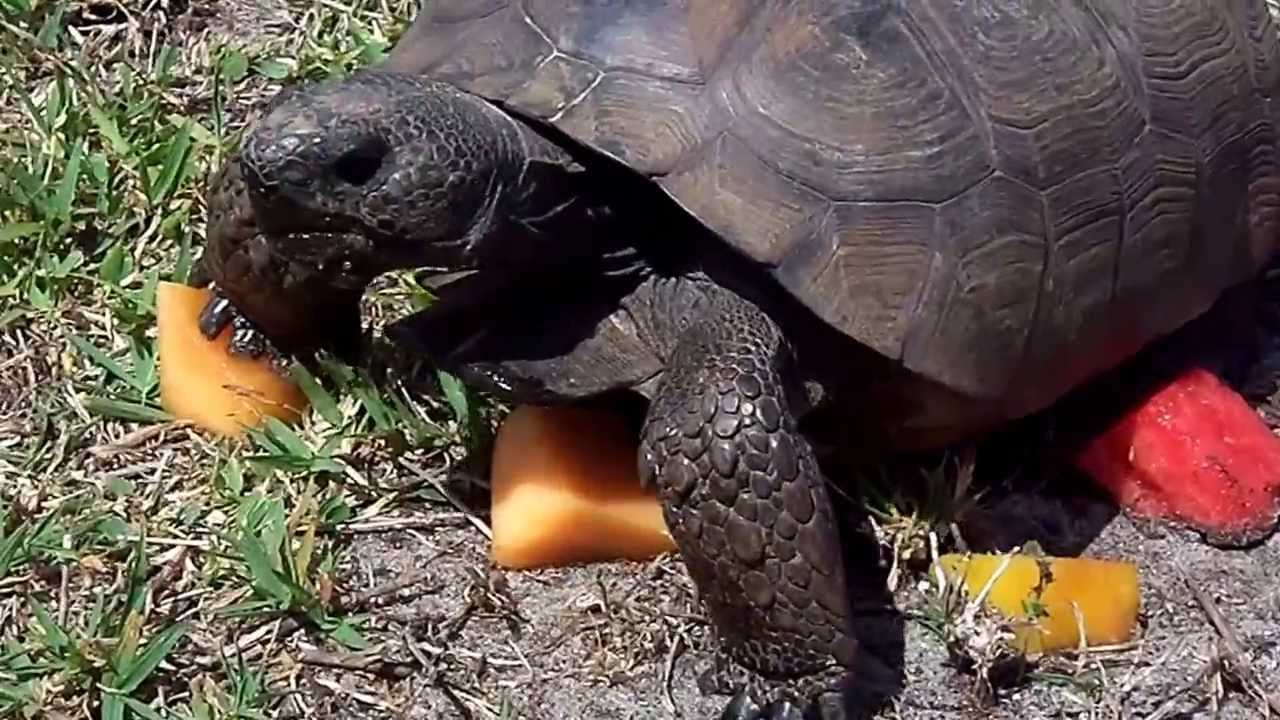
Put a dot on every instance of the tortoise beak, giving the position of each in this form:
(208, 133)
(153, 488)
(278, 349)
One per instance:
(295, 299)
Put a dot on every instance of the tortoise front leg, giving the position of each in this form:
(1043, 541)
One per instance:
(747, 506)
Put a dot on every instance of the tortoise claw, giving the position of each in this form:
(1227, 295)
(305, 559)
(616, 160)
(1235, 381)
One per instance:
(246, 340)
(783, 710)
(742, 707)
(216, 314)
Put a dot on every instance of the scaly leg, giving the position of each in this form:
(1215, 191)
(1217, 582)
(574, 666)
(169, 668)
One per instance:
(746, 503)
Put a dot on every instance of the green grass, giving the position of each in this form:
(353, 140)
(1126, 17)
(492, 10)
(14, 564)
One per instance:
(138, 558)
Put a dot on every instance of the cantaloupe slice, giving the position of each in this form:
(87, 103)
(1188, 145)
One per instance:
(1105, 591)
(202, 382)
(566, 491)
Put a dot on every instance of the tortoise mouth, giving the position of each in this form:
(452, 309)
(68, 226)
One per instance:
(280, 246)
(293, 260)
(299, 286)
(295, 304)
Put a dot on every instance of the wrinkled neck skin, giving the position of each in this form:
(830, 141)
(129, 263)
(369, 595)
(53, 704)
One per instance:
(555, 217)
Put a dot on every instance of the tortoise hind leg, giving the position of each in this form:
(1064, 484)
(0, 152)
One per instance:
(746, 503)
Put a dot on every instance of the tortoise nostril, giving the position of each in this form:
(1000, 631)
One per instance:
(359, 166)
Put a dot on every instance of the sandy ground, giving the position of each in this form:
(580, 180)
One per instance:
(598, 642)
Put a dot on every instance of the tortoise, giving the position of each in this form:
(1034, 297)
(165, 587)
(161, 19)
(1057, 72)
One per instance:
(775, 222)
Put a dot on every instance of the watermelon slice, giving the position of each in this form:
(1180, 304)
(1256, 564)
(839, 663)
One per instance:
(1193, 452)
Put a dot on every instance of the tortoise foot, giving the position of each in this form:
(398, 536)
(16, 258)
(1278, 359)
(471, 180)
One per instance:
(246, 340)
(758, 698)
(743, 707)
(216, 315)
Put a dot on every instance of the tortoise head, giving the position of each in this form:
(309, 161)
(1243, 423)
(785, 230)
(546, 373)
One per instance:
(345, 180)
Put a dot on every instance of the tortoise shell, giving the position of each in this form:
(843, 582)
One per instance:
(1004, 196)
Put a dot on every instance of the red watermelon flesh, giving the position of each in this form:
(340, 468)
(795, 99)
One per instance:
(1192, 452)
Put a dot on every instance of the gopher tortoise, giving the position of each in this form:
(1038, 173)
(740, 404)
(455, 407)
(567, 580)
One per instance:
(893, 224)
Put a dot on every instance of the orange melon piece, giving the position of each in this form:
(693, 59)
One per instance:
(1105, 591)
(202, 382)
(566, 490)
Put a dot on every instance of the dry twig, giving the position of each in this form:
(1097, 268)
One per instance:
(367, 663)
(453, 500)
(136, 438)
(361, 600)
(1233, 652)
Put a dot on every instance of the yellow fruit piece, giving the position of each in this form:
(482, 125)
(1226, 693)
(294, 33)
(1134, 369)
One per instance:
(202, 382)
(1105, 591)
(566, 490)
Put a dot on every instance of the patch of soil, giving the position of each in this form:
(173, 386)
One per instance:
(586, 642)
(598, 641)
(242, 23)
(24, 366)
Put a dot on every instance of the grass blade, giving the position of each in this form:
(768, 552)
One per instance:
(125, 410)
(142, 710)
(112, 706)
(56, 636)
(264, 574)
(456, 395)
(10, 545)
(66, 194)
(13, 231)
(110, 130)
(101, 358)
(320, 398)
(154, 653)
(111, 269)
(175, 165)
